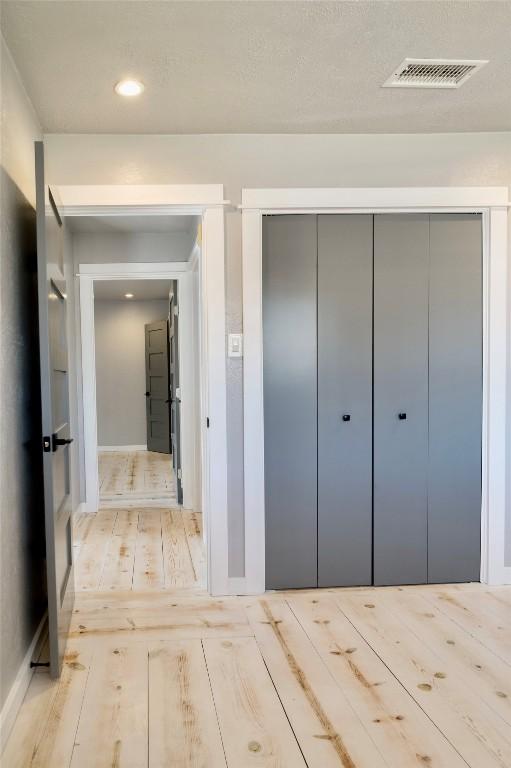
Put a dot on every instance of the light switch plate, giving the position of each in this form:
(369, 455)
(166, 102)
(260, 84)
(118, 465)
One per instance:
(235, 345)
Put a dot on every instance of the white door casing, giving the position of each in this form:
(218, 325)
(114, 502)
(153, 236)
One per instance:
(206, 201)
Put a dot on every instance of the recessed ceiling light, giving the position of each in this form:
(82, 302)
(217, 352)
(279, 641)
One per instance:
(128, 295)
(129, 87)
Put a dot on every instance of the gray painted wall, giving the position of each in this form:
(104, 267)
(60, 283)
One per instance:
(22, 548)
(344, 160)
(120, 368)
(127, 247)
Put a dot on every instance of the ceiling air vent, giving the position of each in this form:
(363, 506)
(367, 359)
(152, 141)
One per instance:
(433, 73)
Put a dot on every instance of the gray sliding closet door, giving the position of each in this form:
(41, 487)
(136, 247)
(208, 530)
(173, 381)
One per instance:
(345, 299)
(455, 392)
(401, 265)
(290, 400)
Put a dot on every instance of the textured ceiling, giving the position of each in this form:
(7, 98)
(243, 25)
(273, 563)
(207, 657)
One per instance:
(257, 67)
(142, 290)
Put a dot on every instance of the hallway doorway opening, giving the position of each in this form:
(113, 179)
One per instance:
(147, 391)
(146, 480)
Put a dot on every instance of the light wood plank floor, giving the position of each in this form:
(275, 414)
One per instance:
(395, 677)
(139, 549)
(158, 674)
(131, 477)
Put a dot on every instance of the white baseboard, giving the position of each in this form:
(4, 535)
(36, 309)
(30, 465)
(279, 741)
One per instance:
(19, 688)
(240, 585)
(85, 508)
(122, 448)
(500, 577)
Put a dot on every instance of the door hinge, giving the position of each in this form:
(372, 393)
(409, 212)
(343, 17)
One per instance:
(179, 474)
(207, 422)
(176, 309)
(46, 444)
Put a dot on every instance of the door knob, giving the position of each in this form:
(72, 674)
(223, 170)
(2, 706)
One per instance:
(148, 394)
(402, 416)
(346, 417)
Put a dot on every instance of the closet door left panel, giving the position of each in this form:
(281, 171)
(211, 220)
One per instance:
(290, 399)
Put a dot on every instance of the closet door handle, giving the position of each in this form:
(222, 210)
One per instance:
(346, 417)
(402, 416)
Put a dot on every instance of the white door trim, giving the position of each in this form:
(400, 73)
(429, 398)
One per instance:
(492, 203)
(141, 199)
(206, 200)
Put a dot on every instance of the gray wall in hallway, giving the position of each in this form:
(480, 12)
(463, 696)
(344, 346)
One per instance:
(22, 547)
(127, 247)
(120, 368)
(237, 161)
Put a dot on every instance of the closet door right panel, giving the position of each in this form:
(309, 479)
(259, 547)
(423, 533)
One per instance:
(401, 266)
(455, 391)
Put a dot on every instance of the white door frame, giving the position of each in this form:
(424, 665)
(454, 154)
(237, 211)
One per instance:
(208, 202)
(492, 203)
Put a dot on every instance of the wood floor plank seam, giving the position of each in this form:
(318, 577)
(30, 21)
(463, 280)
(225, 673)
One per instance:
(404, 616)
(148, 700)
(404, 688)
(359, 676)
(476, 636)
(40, 739)
(214, 702)
(354, 711)
(256, 730)
(187, 542)
(162, 548)
(81, 708)
(331, 733)
(290, 605)
(455, 714)
(282, 704)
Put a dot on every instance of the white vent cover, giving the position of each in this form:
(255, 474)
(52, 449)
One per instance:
(433, 73)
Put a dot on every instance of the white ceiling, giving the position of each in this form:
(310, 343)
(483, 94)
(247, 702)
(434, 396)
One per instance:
(248, 67)
(128, 224)
(142, 290)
